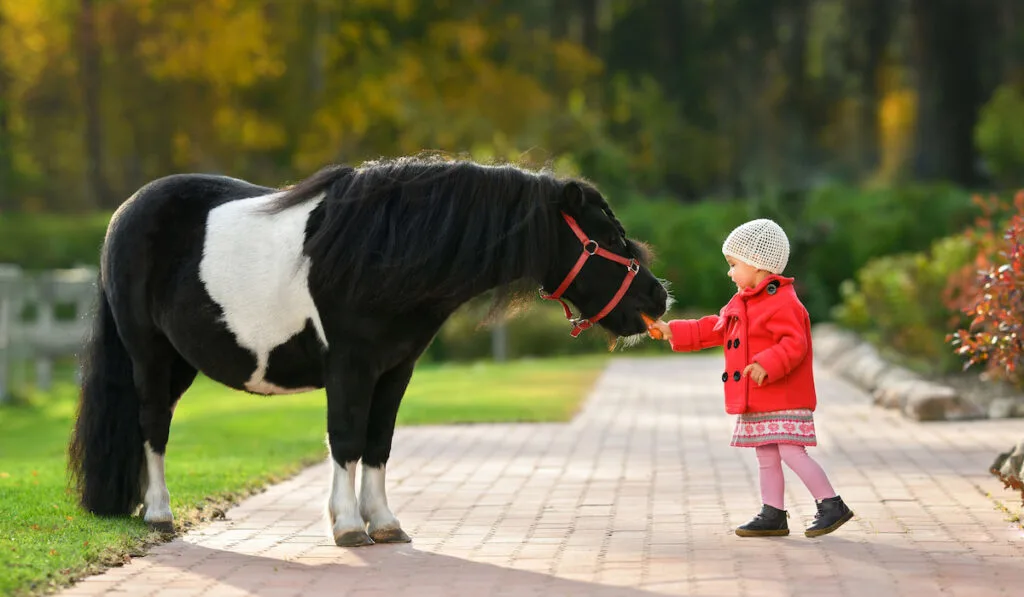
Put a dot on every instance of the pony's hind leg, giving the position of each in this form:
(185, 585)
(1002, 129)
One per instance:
(381, 522)
(349, 387)
(161, 380)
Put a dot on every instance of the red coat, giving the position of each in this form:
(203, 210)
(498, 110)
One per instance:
(766, 324)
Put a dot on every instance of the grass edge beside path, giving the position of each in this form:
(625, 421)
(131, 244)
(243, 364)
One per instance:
(216, 459)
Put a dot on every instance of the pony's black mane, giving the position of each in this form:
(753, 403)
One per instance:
(402, 231)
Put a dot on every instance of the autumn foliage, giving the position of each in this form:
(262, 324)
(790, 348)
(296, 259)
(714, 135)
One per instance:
(991, 292)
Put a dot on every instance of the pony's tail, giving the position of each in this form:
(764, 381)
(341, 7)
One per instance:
(105, 456)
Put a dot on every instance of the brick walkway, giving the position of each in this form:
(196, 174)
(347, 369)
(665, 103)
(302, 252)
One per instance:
(637, 496)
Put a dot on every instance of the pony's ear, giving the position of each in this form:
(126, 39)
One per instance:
(573, 198)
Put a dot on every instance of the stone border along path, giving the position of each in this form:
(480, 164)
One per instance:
(638, 495)
(916, 396)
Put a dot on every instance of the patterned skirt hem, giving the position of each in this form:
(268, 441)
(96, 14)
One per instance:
(764, 440)
(795, 427)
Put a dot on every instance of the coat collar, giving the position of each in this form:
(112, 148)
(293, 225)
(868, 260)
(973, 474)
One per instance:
(768, 287)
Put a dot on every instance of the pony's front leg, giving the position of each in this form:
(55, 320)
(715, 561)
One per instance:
(349, 388)
(381, 523)
(373, 502)
(346, 523)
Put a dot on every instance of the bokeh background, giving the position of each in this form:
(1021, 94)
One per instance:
(863, 126)
(886, 136)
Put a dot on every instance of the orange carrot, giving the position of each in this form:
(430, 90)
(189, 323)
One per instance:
(652, 331)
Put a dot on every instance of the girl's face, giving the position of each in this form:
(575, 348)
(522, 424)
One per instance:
(744, 275)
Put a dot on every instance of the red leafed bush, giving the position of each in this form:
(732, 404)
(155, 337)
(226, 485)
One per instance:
(991, 293)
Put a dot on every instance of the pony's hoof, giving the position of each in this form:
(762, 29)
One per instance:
(164, 526)
(353, 539)
(390, 536)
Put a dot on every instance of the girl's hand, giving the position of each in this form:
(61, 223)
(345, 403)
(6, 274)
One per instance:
(756, 372)
(659, 330)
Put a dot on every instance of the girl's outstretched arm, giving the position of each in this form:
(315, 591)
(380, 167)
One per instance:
(696, 334)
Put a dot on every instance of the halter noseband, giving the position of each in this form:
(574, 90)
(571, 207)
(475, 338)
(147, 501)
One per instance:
(590, 247)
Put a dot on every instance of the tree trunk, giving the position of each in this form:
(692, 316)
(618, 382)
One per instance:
(558, 21)
(871, 26)
(89, 73)
(797, 109)
(1010, 56)
(589, 37)
(8, 202)
(318, 22)
(946, 49)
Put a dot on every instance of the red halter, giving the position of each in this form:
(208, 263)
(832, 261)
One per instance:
(590, 247)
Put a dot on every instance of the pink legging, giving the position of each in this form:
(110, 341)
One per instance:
(770, 458)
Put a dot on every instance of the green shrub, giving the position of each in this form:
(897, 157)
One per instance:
(999, 135)
(38, 242)
(990, 293)
(833, 232)
(686, 240)
(862, 226)
(541, 330)
(897, 302)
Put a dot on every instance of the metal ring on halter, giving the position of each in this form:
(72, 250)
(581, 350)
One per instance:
(590, 248)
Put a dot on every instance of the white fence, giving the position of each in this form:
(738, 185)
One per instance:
(43, 316)
(46, 315)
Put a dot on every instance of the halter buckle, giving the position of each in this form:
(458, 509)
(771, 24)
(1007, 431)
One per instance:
(578, 325)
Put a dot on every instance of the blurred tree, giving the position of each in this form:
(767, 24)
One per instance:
(947, 44)
(870, 27)
(90, 79)
(678, 97)
(8, 188)
(35, 48)
(1000, 136)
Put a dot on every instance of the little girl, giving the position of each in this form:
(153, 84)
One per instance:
(767, 336)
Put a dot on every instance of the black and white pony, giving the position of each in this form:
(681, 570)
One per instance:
(339, 282)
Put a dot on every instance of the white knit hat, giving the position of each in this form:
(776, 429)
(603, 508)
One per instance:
(760, 243)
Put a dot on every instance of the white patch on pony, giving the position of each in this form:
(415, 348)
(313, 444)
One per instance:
(157, 500)
(342, 505)
(254, 269)
(260, 386)
(373, 501)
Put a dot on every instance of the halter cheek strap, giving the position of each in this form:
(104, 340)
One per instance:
(590, 248)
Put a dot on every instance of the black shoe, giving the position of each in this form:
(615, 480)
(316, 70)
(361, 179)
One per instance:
(770, 522)
(832, 514)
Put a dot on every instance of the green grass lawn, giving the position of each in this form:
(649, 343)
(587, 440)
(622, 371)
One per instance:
(224, 445)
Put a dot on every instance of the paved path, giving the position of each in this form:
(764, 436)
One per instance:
(637, 496)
